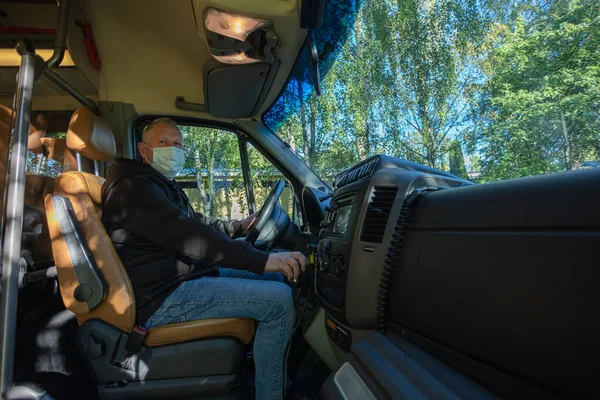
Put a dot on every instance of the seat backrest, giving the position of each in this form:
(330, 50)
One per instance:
(83, 190)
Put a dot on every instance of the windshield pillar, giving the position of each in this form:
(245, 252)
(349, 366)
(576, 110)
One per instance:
(246, 173)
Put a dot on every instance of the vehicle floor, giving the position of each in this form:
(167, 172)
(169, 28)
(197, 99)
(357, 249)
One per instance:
(307, 371)
(45, 349)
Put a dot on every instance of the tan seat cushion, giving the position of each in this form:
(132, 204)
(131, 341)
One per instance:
(240, 328)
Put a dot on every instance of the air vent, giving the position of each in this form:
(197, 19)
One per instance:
(358, 173)
(378, 213)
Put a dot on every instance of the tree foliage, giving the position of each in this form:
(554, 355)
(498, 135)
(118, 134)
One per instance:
(513, 85)
(540, 108)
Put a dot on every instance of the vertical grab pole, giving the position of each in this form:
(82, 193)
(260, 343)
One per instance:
(14, 215)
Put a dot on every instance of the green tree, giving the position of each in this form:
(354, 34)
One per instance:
(540, 108)
(430, 48)
(208, 152)
(457, 160)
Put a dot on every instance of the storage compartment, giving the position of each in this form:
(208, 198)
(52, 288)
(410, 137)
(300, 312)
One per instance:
(236, 91)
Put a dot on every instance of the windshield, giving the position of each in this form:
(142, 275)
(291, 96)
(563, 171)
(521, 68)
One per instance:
(486, 90)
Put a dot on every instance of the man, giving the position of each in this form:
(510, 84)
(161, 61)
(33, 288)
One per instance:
(169, 250)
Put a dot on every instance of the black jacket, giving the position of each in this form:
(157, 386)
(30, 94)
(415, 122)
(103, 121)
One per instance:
(161, 240)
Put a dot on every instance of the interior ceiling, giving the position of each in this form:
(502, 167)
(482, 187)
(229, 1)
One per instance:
(153, 50)
(46, 95)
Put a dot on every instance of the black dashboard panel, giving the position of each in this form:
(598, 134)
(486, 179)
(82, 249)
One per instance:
(499, 279)
(355, 239)
(507, 274)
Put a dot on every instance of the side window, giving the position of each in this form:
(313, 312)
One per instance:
(264, 175)
(212, 175)
(47, 152)
(48, 160)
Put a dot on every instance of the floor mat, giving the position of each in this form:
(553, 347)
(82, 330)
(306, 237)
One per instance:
(46, 354)
(308, 378)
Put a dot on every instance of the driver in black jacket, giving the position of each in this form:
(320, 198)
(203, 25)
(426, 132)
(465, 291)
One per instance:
(184, 266)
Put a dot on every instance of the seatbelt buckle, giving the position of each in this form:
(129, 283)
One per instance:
(136, 339)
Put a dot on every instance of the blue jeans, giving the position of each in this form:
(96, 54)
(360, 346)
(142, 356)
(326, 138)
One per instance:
(241, 294)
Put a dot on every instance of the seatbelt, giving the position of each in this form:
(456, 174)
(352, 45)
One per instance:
(136, 339)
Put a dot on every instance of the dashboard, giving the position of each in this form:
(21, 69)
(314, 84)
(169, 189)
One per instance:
(451, 267)
(355, 236)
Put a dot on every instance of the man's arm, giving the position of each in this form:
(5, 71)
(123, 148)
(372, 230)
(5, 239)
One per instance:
(232, 228)
(141, 205)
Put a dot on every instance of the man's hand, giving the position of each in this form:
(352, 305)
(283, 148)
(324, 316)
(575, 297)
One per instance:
(289, 264)
(249, 222)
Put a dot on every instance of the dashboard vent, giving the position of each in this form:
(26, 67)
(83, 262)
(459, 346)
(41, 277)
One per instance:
(378, 213)
(358, 173)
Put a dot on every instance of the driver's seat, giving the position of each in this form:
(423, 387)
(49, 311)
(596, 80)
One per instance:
(186, 360)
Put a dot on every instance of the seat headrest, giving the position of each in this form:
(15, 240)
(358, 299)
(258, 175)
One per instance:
(35, 134)
(90, 136)
(34, 142)
(55, 148)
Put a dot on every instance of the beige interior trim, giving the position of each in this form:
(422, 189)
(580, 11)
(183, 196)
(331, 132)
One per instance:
(317, 338)
(48, 103)
(154, 50)
(10, 57)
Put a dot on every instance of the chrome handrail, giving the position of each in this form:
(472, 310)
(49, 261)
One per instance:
(60, 40)
(14, 214)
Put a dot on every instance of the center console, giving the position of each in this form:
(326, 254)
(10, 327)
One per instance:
(356, 234)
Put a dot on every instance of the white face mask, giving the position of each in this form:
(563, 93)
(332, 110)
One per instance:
(167, 160)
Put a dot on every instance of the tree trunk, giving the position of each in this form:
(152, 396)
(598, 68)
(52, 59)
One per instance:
(211, 186)
(287, 132)
(568, 144)
(228, 202)
(199, 181)
(362, 133)
(427, 136)
(305, 140)
(313, 134)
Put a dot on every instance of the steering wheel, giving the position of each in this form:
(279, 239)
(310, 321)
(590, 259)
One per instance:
(266, 211)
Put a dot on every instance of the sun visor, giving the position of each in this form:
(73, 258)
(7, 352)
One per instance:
(236, 91)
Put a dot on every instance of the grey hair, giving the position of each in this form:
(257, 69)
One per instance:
(158, 121)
